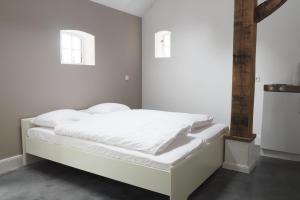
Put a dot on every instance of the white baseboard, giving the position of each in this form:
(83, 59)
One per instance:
(280, 155)
(10, 164)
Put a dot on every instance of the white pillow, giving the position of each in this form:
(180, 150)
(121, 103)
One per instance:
(107, 108)
(54, 118)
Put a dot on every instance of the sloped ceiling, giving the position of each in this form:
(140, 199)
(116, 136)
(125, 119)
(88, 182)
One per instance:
(134, 7)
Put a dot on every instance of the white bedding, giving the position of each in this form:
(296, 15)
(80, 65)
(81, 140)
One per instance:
(175, 153)
(147, 131)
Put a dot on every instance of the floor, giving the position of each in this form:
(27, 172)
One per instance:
(272, 180)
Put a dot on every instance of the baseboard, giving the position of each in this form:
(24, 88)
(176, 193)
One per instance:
(10, 164)
(280, 155)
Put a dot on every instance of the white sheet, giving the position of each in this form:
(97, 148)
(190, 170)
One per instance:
(147, 131)
(175, 153)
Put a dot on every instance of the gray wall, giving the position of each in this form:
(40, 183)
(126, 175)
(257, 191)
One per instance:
(33, 81)
(198, 76)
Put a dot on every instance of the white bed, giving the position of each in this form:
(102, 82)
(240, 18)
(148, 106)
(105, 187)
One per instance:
(177, 172)
(177, 152)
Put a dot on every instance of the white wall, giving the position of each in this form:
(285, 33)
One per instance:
(198, 77)
(200, 67)
(278, 53)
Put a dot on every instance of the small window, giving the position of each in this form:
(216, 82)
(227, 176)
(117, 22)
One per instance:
(77, 48)
(163, 44)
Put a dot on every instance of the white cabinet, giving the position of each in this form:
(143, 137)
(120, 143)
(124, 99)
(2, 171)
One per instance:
(281, 122)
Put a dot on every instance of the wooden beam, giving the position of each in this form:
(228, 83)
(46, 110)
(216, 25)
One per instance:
(267, 8)
(246, 16)
(244, 57)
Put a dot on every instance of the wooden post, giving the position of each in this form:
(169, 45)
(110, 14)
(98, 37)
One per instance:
(244, 52)
(247, 14)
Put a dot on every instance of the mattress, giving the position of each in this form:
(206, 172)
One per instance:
(181, 149)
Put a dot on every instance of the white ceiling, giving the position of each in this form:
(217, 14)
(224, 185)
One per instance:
(134, 7)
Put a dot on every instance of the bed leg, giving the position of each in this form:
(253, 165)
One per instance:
(29, 159)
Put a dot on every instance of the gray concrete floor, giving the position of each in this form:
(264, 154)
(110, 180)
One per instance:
(272, 180)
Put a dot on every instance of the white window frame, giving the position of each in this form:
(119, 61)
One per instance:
(71, 35)
(162, 50)
(87, 47)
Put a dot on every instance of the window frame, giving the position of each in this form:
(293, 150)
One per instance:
(72, 50)
(87, 56)
(160, 44)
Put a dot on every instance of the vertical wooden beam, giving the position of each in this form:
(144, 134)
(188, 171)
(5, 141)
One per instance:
(244, 59)
(247, 15)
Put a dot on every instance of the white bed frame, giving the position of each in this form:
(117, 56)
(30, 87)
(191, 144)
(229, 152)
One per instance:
(178, 183)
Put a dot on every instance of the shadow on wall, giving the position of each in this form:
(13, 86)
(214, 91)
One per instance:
(298, 75)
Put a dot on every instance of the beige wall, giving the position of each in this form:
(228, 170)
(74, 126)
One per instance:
(33, 81)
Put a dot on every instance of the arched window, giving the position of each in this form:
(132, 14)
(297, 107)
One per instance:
(77, 47)
(163, 44)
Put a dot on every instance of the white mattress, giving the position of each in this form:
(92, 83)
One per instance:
(180, 150)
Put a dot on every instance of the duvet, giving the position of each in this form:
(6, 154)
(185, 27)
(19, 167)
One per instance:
(141, 130)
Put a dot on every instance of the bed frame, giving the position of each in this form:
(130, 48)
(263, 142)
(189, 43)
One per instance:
(178, 183)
